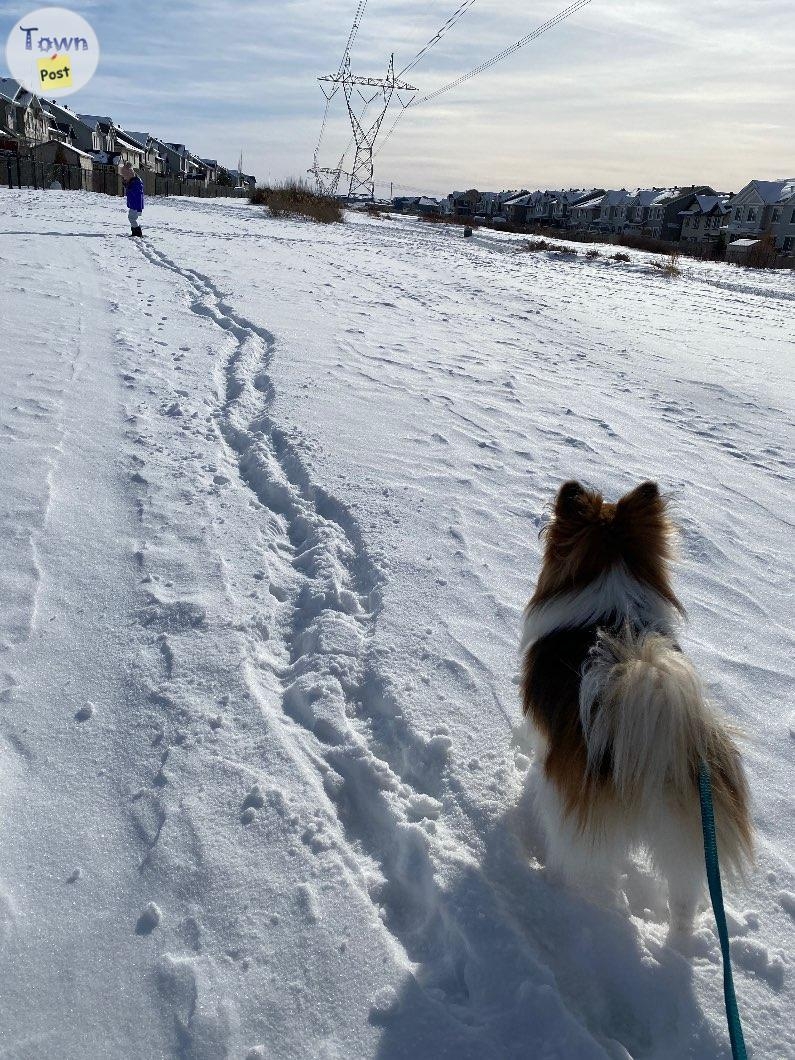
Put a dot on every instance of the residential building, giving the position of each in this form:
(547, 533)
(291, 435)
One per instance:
(462, 203)
(23, 120)
(563, 203)
(782, 224)
(585, 215)
(153, 160)
(68, 127)
(519, 207)
(611, 209)
(759, 207)
(703, 220)
(212, 167)
(665, 211)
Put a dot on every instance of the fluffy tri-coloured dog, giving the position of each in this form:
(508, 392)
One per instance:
(618, 711)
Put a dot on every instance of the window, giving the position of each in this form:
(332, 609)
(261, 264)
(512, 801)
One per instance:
(751, 213)
(789, 244)
(738, 214)
(792, 218)
(776, 216)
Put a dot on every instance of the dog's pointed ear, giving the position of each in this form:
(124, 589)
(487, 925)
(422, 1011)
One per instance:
(644, 497)
(569, 499)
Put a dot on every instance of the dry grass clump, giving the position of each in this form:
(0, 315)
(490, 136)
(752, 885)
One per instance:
(592, 253)
(670, 267)
(534, 246)
(621, 257)
(295, 197)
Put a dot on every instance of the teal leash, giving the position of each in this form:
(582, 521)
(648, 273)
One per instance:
(716, 894)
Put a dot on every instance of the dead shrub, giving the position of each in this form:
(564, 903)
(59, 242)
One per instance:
(295, 197)
(762, 255)
(534, 246)
(619, 256)
(670, 267)
(592, 253)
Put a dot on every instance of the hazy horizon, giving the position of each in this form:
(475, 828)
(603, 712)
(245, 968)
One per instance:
(636, 93)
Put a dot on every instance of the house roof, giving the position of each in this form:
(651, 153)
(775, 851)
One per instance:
(708, 204)
(140, 138)
(93, 120)
(774, 191)
(425, 201)
(615, 197)
(9, 88)
(589, 204)
(16, 93)
(126, 140)
(743, 242)
(62, 114)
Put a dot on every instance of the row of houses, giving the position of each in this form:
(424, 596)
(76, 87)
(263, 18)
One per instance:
(51, 131)
(696, 215)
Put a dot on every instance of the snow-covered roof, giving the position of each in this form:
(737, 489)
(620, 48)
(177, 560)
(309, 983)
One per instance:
(126, 140)
(425, 201)
(774, 191)
(705, 204)
(743, 242)
(589, 204)
(645, 196)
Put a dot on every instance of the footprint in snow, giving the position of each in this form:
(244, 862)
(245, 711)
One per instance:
(85, 712)
(148, 920)
(254, 801)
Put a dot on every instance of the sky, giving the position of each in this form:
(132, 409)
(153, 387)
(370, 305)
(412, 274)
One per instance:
(624, 93)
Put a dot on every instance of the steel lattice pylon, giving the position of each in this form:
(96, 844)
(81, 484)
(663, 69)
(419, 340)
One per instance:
(364, 134)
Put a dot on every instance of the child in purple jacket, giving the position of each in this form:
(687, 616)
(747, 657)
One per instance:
(134, 187)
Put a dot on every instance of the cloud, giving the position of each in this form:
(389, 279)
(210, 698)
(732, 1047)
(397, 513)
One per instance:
(630, 92)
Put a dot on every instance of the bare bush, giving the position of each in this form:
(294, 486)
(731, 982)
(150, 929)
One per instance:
(670, 267)
(763, 254)
(619, 256)
(533, 246)
(295, 197)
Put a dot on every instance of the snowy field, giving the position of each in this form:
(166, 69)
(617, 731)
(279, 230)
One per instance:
(271, 495)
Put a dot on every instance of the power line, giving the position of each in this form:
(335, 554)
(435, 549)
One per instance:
(456, 16)
(504, 54)
(549, 24)
(357, 21)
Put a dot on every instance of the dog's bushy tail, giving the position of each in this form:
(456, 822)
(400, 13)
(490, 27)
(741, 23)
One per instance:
(644, 715)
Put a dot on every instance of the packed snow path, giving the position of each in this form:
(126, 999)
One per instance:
(271, 497)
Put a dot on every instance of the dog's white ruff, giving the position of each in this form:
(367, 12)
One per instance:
(616, 592)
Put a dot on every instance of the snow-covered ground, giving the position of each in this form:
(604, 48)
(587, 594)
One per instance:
(270, 504)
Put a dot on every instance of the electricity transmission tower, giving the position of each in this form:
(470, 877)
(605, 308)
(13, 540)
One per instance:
(365, 133)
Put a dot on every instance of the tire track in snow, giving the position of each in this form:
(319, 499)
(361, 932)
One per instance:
(344, 717)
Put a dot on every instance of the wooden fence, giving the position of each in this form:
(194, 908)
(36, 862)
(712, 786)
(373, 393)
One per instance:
(18, 171)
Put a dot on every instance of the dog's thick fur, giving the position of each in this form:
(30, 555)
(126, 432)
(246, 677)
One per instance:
(619, 714)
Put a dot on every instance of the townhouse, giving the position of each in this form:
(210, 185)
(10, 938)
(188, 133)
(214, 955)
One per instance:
(703, 220)
(23, 120)
(762, 207)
